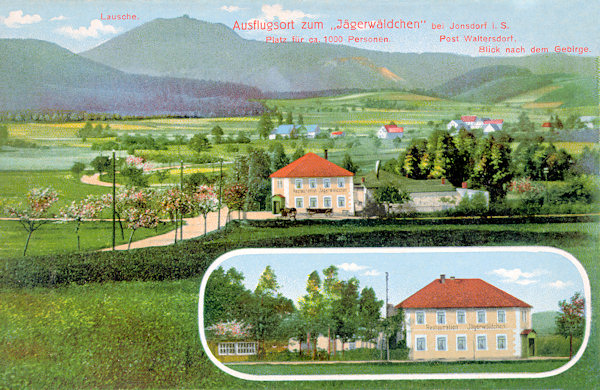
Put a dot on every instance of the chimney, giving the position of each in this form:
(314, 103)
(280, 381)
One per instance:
(442, 278)
(443, 180)
(325, 150)
(363, 180)
(464, 184)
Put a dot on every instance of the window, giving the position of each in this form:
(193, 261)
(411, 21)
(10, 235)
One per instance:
(461, 317)
(298, 184)
(326, 183)
(501, 341)
(441, 318)
(501, 316)
(237, 348)
(420, 317)
(341, 182)
(300, 202)
(481, 317)
(226, 348)
(312, 183)
(441, 343)
(279, 183)
(327, 202)
(421, 343)
(481, 342)
(312, 202)
(461, 342)
(523, 316)
(341, 201)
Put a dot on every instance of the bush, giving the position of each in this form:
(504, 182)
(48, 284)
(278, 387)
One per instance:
(555, 345)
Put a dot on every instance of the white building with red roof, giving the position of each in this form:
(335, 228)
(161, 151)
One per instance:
(390, 131)
(472, 122)
(451, 319)
(313, 184)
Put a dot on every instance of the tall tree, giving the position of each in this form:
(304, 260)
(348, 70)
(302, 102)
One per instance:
(289, 119)
(223, 297)
(300, 119)
(311, 306)
(345, 311)
(265, 125)
(280, 159)
(388, 194)
(299, 152)
(445, 160)
(369, 308)
(3, 135)
(267, 283)
(492, 169)
(217, 133)
(198, 143)
(348, 164)
(570, 321)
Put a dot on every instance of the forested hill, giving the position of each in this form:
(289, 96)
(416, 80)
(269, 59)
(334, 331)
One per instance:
(41, 75)
(186, 47)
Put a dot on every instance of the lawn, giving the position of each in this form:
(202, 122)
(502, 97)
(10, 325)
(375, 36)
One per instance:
(57, 238)
(145, 334)
(397, 368)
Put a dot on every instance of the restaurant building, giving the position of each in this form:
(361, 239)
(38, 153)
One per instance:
(452, 319)
(313, 183)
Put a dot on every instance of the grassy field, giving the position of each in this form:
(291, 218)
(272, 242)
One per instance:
(145, 334)
(57, 238)
(397, 368)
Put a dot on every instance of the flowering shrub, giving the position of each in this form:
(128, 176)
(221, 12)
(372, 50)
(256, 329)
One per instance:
(230, 330)
(138, 162)
(32, 215)
(524, 185)
(206, 201)
(86, 209)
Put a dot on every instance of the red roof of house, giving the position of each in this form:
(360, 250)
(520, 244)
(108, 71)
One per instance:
(468, 118)
(546, 124)
(460, 293)
(337, 132)
(494, 122)
(527, 331)
(394, 129)
(311, 165)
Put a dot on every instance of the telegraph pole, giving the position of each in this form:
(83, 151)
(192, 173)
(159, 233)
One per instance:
(220, 194)
(181, 189)
(387, 340)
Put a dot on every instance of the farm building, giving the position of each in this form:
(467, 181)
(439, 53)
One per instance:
(426, 195)
(390, 131)
(283, 131)
(466, 319)
(337, 134)
(313, 184)
(309, 131)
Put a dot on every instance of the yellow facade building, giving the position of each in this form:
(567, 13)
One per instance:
(452, 319)
(313, 184)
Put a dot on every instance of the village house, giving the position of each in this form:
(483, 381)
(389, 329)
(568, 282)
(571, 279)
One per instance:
(337, 134)
(473, 122)
(313, 184)
(466, 319)
(390, 131)
(291, 131)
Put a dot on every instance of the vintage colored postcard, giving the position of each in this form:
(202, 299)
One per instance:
(299, 194)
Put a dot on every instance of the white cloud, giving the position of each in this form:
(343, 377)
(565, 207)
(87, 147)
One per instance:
(517, 276)
(230, 8)
(61, 17)
(351, 267)
(276, 11)
(559, 284)
(17, 19)
(372, 272)
(95, 29)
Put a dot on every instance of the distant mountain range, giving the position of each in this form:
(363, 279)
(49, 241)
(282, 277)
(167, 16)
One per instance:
(184, 66)
(190, 48)
(39, 75)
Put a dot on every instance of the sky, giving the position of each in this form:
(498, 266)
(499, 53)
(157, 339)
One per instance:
(77, 25)
(541, 278)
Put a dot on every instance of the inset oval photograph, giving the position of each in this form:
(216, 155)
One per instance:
(395, 313)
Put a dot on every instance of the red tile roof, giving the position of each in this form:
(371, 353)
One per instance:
(311, 165)
(494, 122)
(527, 331)
(460, 293)
(546, 124)
(337, 132)
(394, 129)
(468, 118)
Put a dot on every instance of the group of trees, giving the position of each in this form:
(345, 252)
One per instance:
(91, 131)
(487, 162)
(330, 306)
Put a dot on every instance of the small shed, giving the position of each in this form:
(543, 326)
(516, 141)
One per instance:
(278, 202)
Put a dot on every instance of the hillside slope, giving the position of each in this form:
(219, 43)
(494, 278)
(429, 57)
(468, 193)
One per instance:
(39, 75)
(186, 47)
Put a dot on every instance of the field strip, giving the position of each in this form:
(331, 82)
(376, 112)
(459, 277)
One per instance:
(536, 358)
